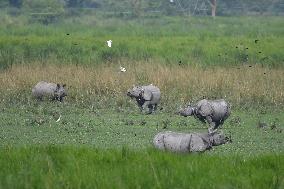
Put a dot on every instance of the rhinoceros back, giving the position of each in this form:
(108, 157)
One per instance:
(158, 140)
(221, 109)
(177, 142)
(198, 143)
(155, 91)
(180, 142)
(44, 88)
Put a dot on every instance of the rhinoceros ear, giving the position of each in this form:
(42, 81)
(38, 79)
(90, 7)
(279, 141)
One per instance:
(64, 85)
(146, 94)
(58, 86)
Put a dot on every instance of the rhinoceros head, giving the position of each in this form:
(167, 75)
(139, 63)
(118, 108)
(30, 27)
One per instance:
(187, 111)
(135, 92)
(220, 138)
(60, 92)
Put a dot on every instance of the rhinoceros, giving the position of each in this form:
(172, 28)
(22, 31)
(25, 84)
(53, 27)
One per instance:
(215, 112)
(188, 142)
(146, 97)
(48, 90)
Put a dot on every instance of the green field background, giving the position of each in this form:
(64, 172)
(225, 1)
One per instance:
(169, 40)
(102, 140)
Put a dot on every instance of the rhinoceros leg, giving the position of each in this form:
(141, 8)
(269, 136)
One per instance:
(155, 107)
(221, 122)
(212, 124)
(214, 127)
(61, 99)
(40, 98)
(149, 106)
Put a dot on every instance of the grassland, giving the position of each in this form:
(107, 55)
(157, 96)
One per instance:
(116, 127)
(169, 40)
(57, 167)
(102, 140)
(97, 144)
(243, 86)
(112, 148)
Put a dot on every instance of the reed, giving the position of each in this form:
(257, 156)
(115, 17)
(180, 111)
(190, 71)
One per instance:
(242, 85)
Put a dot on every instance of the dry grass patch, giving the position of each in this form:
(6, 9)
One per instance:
(179, 83)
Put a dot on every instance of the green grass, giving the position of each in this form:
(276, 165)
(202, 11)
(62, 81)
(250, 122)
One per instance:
(68, 167)
(35, 124)
(102, 140)
(99, 147)
(167, 39)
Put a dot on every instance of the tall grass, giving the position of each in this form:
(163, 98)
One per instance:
(243, 86)
(66, 167)
(172, 52)
(223, 41)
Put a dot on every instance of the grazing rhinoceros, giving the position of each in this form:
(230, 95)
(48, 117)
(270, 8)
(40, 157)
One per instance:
(49, 90)
(146, 96)
(215, 112)
(188, 142)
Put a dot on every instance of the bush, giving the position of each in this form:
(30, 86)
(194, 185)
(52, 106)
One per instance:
(44, 11)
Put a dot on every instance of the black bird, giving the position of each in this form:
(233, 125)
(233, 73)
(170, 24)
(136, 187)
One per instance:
(255, 41)
(67, 34)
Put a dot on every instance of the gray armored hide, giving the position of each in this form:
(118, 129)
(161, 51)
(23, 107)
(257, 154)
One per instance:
(51, 91)
(188, 142)
(215, 112)
(146, 97)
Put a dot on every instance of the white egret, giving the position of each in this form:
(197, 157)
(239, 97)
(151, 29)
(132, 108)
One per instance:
(109, 43)
(122, 69)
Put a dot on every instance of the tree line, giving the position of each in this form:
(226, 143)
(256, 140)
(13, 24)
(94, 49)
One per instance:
(166, 7)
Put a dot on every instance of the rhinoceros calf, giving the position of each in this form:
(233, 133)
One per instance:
(51, 91)
(215, 112)
(188, 142)
(146, 97)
